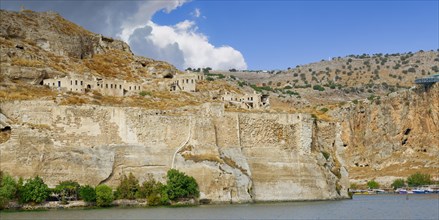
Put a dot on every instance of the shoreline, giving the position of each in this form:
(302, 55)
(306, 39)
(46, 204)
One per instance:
(123, 203)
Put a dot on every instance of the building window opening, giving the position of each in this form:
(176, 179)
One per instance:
(59, 83)
(76, 82)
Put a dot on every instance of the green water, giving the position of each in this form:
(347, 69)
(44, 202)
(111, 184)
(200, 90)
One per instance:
(360, 207)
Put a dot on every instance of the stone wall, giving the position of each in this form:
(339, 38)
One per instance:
(235, 157)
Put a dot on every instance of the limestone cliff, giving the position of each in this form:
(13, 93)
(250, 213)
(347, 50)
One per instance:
(393, 137)
(235, 157)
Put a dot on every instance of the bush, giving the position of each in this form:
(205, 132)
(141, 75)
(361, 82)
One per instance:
(87, 193)
(34, 190)
(104, 195)
(372, 184)
(318, 87)
(325, 155)
(398, 183)
(179, 185)
(8, 189)
(128, 187)
(68, 190)
(144, 93)
(419, 179)
(324, 110)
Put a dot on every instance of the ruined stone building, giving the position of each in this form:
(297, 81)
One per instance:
(186, 82)
(84, 84)
(247, 101)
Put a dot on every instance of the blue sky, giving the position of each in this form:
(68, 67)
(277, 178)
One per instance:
(255, 34)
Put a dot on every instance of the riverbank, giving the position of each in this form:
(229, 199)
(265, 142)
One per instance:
(52, 205)
(360, 207)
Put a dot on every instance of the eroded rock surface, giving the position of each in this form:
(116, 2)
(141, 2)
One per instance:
(235, 157)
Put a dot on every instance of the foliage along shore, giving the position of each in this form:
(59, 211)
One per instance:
(34, 194)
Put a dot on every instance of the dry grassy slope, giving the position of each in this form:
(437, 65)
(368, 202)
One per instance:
(353, 71)
(35, 46)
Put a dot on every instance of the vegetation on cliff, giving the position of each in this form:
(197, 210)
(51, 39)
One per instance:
(33, 190)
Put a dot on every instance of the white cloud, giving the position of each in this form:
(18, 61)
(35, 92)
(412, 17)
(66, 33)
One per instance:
(196, 13)
(146, 9)
(180, 44)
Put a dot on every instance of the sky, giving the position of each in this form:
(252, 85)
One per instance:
(254, 34)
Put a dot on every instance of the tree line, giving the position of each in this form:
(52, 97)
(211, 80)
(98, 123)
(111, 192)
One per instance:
(33, 190)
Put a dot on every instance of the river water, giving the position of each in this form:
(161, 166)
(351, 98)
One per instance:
(360, 207)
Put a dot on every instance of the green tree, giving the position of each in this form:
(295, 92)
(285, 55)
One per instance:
(152, 191)
(398, 183)
(179, 185)
(104, 195)
(8, 189)
(68, 190)
(128, 187)
(87, 193)
(372, 184)
(419, 179)
(34, 190)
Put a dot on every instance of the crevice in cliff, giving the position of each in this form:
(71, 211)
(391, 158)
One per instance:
(113, 168)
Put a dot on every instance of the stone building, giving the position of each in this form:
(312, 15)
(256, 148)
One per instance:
(75, 83)
(186, 82)
(247, 101)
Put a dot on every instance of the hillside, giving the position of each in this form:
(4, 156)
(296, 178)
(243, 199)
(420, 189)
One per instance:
(343, 78)
(37, 46)
(357, 114)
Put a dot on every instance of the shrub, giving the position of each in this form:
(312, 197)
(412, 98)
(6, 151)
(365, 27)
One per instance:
(154, 192)
(34, 190)
(8, 189)
(324, 110)
(325, 155)
(353, 186)
(87, 193)
(419, 179)
(179, 185)
(411, 70)
(398, 183)
(104, 195)
(68, 190)
(128, 187)
(144, 93)
(372, 184)
(318, 87)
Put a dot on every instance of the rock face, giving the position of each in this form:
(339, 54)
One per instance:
(235, 157)
(393, 138)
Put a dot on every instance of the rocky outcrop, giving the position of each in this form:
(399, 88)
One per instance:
(235, 157)
(40, 45)
(393, 137)
(53, 33)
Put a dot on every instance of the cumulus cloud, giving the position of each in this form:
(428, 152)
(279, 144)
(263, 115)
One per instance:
(180, 44)
(146, 9)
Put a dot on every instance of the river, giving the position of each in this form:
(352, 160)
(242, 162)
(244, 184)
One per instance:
(360, 207)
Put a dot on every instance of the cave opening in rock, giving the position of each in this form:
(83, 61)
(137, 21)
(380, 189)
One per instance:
(407, 131)
(6, 129)
(404, 141)
(168, 76)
